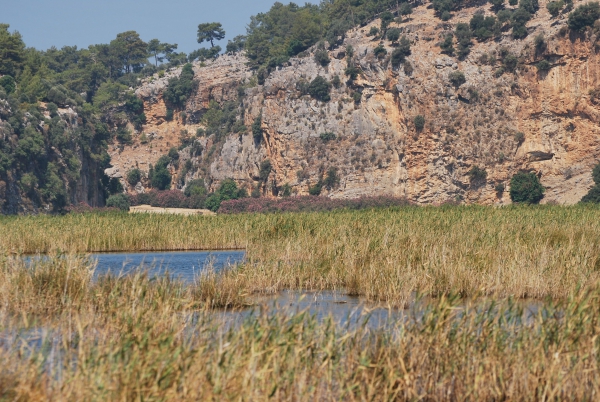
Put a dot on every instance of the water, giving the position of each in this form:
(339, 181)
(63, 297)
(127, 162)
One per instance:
(347, 310)
(183, 265)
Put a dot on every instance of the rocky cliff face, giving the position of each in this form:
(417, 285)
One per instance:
(540, 121)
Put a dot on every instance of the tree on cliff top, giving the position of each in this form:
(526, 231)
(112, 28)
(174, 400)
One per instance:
(130, 50)
(209, 32)
(12, 51)
(156, 48)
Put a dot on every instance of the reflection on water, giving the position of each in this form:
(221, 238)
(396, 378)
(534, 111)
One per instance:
(183, 265)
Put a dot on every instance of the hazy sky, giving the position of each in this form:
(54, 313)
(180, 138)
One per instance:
(46, 23)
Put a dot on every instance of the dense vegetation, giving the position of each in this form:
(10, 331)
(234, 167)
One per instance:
(61, 108)
(526, 251)
(526, 188)
(287, 30)
(135, 333)
(454, 344)
(593, 195)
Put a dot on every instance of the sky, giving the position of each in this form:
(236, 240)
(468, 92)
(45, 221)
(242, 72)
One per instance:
(46, 23)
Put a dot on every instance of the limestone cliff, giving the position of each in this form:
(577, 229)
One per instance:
(377, 149)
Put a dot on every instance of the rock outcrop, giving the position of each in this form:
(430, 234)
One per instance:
(539, 121)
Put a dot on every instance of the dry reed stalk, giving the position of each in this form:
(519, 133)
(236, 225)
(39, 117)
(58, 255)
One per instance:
(381, 254)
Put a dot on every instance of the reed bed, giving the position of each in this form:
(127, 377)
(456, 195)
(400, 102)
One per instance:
(72, 338)
(380, 254)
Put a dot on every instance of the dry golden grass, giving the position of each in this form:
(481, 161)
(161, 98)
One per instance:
(380, 254)
(137, 338)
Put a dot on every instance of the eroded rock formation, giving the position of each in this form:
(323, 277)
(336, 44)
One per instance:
(541, 121)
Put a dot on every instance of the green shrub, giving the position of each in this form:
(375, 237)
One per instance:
(379, 51)
(195, 187)
(419, 122)
(593, 196)
(499, 188)
(286, 190)
(124, 135)
(408, 68)
(319, 89)
(477, 175)
(543, 65)
(331, 179)
(228, 190)
(540, 42)
(405, 9)
(328, 136)
(352, 72)
(457, 78)
(161, 177)
(401, 52)
(373, 31)
(443, 8)
(349, 53)
(497, 5)
(518, 21)
(554, 7)
(265, 170)
(257, 131)
(120, 201)
(115, 186)
(134, 176)
(447, 45)
(8, 83)
(169, 115)
(531, 6)
(482, 27)
(584, 16)
(356, 97)
(336, 81)
(510, 62)
(386, 18)
(504, 16)
(316, 189)
(322, 57)
(596, 174)
(180, 88)
(173, 154)
(526, 188)
(519, 137)
(463, 39)
(393, 34)
(213, 202)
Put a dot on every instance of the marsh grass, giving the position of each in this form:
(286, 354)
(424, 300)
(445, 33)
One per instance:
(140, 338)
(380, 254)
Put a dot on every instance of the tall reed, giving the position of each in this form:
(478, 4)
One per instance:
(144, 340)
(382, 254)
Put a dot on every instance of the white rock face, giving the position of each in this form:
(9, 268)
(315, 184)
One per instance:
(377, 149)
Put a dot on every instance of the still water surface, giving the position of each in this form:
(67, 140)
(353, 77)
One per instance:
(185, 265)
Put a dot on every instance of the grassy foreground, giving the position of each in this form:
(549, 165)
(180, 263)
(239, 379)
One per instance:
(379, 254)
(64, 336)
(137, 339)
